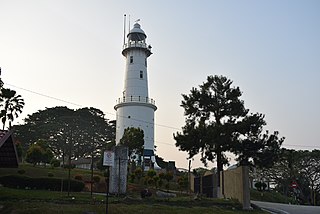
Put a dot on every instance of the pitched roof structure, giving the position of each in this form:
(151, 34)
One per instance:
(8, 152)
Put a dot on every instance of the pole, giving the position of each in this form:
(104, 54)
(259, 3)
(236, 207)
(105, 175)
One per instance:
(69, 169)
(119, 179)
(91, 183)
(189, 177)
(107, 190)
(124, 30)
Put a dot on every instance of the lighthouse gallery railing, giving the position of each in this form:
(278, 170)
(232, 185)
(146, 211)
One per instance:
(138, 99)
(133, 44)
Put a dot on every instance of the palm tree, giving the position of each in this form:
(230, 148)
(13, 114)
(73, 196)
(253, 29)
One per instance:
(12, 105)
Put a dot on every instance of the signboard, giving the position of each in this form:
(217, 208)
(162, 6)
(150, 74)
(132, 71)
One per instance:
(294, 185)
(108, 158)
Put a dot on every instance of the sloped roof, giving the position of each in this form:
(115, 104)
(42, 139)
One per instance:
(8, 152)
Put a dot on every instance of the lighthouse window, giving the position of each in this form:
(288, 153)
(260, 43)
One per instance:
(141, 74)
(131, 59)
(145, 62)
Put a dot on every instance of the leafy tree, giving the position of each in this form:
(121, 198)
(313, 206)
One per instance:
(168, 176)
(73, 133)
(183, 181)
(252, 145)
(292, 166)
(309, 164)
(12, 105)
(133, 138)
(211, 112)
(39, 152)
(34, 154)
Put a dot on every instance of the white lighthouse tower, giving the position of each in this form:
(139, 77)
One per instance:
(135, 108)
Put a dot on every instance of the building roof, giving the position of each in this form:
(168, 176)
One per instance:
(8, 152)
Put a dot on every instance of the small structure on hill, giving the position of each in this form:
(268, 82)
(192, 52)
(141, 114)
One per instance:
(8, 151)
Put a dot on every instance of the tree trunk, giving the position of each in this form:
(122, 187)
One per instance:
(219, 170)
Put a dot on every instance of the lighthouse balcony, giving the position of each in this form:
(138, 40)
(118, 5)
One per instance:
(138, 45)
(136, 100)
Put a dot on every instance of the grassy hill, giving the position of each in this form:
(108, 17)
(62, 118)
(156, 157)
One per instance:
(41, 201)
(270, 196)
(41, 171)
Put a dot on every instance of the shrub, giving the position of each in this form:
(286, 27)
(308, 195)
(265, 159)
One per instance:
(96, 178)
(78, 177)
(132, 177)
(67, 166)
(260, 186)
(18, 181)
(55, 163)
(21, 171)
(50, 174)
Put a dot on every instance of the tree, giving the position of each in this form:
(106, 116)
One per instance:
(133, 138)
(34, 154)
(252, 145)
(39, 152)
(12, 105)
(77, 133)
(309, 163)
(211, 112)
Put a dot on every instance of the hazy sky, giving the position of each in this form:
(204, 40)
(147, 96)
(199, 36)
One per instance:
(71, 50)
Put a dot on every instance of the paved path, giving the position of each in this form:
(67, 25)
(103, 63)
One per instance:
(287, 208)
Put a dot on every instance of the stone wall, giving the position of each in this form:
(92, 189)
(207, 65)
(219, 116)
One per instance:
(236, 185)
(118, 173)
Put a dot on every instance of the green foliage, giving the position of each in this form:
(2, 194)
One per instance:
(252, 145)
(183, 181)
(216, 122)
(50, 174)
(21, 171)
(34, 154)
(77, 133)
(39, 152)
(151, 173)
(270, 196)
(11, 104)
(16, 181)
(301, 167)
(132, 176)
(55, 202)
(55, 162)
(138, 173)
(168, 176)
(260, 186)
(96, 178)
(133, 138)
(78, 177)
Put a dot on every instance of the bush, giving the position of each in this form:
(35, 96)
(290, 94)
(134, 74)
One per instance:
(55, 163)
(50, 174)
(96, 178)
(21, 171)
(67, 166)
(260, 186)
(18, 181)
(78, 177)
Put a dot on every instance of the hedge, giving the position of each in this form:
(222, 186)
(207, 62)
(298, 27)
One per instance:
(54, 184)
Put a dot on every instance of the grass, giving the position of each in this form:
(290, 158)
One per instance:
(270, 196)
(41, 171)
(36, 201)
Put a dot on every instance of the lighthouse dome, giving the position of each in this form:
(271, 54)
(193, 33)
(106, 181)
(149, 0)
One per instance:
(136, 33)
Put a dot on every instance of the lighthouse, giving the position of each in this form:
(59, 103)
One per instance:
(135, 108)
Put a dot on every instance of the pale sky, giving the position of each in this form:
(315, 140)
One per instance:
(71, 50)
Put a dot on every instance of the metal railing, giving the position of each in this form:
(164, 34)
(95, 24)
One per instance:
(134, 44)
(137, 99)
